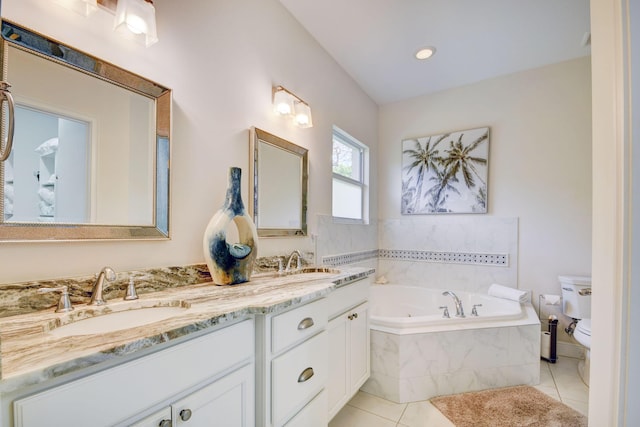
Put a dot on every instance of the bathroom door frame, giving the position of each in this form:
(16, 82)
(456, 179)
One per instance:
(615, 375)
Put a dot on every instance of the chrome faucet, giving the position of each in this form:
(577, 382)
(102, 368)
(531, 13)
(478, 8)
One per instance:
(98, 286)
(458, 303)
(296, 253)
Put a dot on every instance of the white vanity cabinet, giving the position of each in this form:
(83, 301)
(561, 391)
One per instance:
(349, 344)
(228, 402)
(208, 380)
(291, 358)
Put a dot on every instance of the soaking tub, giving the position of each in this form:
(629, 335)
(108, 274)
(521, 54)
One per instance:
(417, 354)
(402, 309)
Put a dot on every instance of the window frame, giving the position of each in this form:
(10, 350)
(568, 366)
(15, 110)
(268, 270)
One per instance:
(362, 181)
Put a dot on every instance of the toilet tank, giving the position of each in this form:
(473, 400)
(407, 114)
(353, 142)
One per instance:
(573, 304)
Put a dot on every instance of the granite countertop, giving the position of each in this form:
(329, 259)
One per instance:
(30, 354)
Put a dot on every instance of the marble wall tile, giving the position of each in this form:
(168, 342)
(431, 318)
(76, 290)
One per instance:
(383, 386)
(385, 353)
(524, 344)
(419, 355)
(466, 234)
(336, 238)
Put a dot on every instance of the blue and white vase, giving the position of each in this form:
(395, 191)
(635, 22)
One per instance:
(230, 264)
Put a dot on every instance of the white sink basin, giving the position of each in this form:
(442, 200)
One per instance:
(116, 321)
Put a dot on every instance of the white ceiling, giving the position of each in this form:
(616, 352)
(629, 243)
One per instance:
(375, 40)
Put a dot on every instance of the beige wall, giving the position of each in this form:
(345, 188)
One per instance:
(539, 160)
(221, 58)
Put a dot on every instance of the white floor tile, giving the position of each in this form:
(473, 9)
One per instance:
(549, 391)
(546, 379)
(350, 416)
(378, 406)
(582, 407)
(568, 382)
(424, 414)
(560, 381)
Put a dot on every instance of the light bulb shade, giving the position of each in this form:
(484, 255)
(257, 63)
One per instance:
(138, 18)
(302, 117)
(282, 102)
(83, 7)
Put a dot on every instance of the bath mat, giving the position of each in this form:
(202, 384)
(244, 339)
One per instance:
(508, 407)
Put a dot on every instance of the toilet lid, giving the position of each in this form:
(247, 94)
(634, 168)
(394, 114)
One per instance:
(584, 326)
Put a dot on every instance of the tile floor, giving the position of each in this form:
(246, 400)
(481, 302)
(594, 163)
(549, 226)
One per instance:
(559, 380)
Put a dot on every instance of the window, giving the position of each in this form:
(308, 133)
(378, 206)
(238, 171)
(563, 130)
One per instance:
(350, 177)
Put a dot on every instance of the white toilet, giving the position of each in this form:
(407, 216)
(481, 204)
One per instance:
(576, 303)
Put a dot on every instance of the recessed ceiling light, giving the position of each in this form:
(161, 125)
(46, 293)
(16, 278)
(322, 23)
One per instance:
(426, 52)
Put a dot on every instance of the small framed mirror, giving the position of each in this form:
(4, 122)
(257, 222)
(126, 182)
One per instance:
(278, 190)
(91, 147)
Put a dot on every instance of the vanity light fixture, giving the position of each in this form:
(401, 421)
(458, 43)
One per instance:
(83, 7)
(135, 18)
(286, 103)
(139, 18)
(302, 116)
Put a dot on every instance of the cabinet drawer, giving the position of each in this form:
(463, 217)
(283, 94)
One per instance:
(297, 376)
(348, 296)
(298, 324)
(312, 415)
(142, 383)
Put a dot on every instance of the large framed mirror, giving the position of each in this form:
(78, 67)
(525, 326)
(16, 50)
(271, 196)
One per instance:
(278, 190)
(91, 145)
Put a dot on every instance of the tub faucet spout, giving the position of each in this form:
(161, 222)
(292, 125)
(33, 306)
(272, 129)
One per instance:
(458, 303)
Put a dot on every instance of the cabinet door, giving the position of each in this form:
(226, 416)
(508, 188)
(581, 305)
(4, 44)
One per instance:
(349, 356)
(161, 418)
(360, 362)
(338, 381)
(314, 414)
(228, 402)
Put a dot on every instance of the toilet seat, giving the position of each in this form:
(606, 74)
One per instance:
(582, 333)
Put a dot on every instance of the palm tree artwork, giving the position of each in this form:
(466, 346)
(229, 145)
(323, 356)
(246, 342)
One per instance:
(445, 173)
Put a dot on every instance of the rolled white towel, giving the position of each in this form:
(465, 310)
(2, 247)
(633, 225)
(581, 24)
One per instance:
(8, 192)
(48, 196)
(8, 207)
(45, 209)
(551, 299)
(47, 147)
(507, 293)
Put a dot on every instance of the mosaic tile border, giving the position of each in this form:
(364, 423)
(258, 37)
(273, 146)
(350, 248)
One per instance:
(350, 258)
(488, 259)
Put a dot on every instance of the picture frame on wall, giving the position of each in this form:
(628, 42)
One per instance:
(446, 173)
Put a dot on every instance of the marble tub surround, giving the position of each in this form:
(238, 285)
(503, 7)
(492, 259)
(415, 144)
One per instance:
(407, 368)
(29, 355)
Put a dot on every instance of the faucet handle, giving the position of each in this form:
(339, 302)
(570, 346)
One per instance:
(131, 291)
(445, 313)
(474, 310)
(64, 303)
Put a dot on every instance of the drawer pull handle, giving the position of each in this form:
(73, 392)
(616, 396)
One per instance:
(165, 423)
(352, 316)
(185, 414)
(305, 375)
(305, 323)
